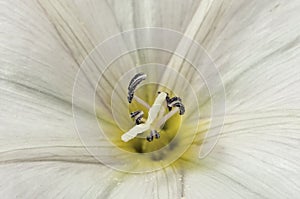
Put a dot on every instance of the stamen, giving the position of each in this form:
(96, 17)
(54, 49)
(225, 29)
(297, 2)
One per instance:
(142, 102)
(176, 102)
(153, 134)
(133, 114)
(135, 81)
(138, 116)
(166, 118)
(150, 137)
(181, 108)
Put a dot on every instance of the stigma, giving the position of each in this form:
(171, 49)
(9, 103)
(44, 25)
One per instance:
(161, 110)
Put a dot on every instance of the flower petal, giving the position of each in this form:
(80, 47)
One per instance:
(54, 180)
(173, 14)
(32, 55)
(80, 25)
(257, 157)
(258, 77)
(258, 55)
(38, 127)
(40, 151)
(165, 183)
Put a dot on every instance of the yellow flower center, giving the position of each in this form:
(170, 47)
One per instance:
(174, 138)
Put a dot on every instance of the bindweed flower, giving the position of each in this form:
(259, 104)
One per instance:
(149, 99)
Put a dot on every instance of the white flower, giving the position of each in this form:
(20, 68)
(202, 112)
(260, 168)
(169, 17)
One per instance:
(255, 46)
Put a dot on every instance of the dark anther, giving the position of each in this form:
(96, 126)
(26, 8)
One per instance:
(133, 114)
(149, 138)
(176, 102)
(134, 82)
(130, 97)
(181, 109)
(138, 116)
(167, 98)
(153, 134)
(157, 136)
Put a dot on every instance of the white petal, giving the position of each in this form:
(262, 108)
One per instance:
(40, 151)
(54, 180)
(258, 56)
(32, 55)
(171, 14)
(260, 77)
(165, 183)
(38, 127)
(81, 25)
(257, 157)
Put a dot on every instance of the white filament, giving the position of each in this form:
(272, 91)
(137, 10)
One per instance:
(142, 102)
(167, 117)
